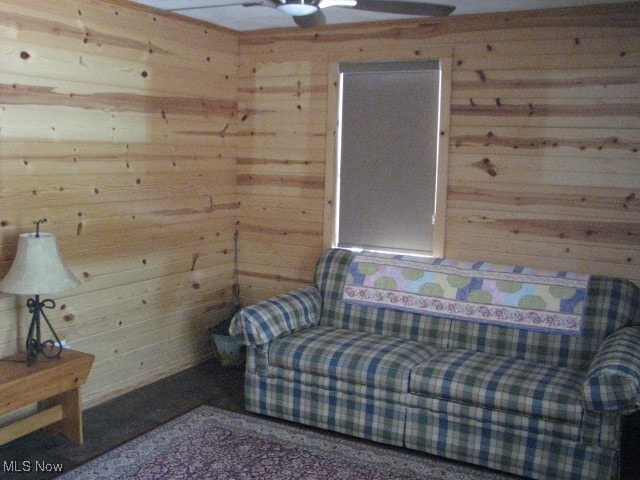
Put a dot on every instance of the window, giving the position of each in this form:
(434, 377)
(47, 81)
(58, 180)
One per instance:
(389, 157)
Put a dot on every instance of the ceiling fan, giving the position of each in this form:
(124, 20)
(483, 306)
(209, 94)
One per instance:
(308, 13)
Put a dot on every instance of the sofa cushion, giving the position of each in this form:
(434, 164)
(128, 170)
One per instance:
(501, 383)
(357, 357)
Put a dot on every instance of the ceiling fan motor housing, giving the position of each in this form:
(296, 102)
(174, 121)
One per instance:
(298, 7)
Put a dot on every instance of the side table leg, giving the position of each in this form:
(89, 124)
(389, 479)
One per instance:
(71, 424)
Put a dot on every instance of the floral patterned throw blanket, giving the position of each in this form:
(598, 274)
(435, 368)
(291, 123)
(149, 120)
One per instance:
(519, 297)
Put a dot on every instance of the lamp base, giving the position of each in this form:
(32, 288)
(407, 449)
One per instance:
(34, 345)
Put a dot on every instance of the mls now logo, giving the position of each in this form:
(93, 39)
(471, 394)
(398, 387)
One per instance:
(27, 466)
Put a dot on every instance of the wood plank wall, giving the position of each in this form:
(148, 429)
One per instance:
(143, 139)
(117, 126)
(544, 165)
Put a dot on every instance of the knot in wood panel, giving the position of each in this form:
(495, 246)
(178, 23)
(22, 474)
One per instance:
(486, 165)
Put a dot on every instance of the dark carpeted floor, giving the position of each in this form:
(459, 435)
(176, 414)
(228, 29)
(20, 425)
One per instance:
(116, 421)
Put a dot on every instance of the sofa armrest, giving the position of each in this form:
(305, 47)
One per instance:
(613, 379)
(279, 316)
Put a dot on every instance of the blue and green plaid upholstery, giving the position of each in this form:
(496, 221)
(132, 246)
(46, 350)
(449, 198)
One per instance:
(535, 404)
(528, 446)
(501, 383)
(361, 413)
(274, 318)
(613, 380)
(358, 357)
(612, 304)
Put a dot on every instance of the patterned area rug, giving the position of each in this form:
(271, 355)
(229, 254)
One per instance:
(209, 443)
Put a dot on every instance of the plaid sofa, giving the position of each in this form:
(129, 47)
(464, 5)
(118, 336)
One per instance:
(535, 404)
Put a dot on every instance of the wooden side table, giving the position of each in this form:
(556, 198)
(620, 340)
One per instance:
(54, 384)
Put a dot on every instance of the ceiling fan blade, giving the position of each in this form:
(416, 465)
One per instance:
(312, 20)
(405, 7)
(337, 3)
(261, 3)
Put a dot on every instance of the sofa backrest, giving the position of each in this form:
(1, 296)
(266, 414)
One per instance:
(612, 304)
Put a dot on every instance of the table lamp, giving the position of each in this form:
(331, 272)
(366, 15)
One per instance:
(38, 270)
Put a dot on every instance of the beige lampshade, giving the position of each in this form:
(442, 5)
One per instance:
(38, 268)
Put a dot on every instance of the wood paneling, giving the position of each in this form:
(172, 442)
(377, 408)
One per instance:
(145, 140)
(118, 126)
(544, 161)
